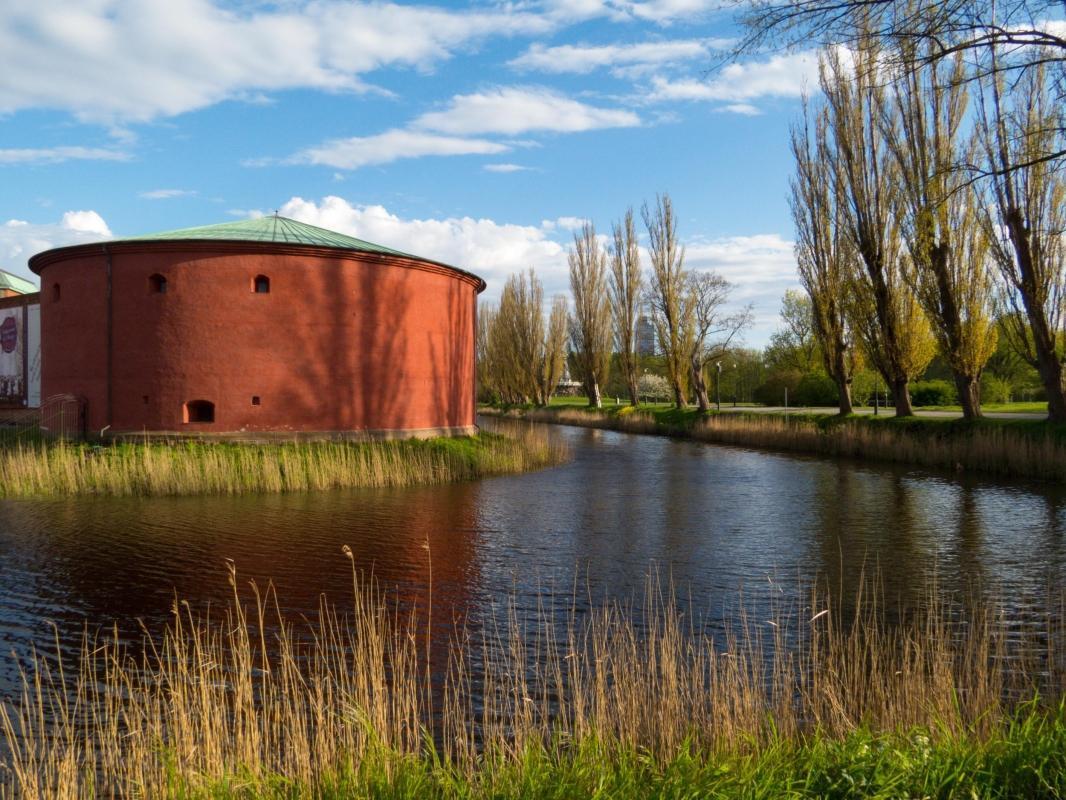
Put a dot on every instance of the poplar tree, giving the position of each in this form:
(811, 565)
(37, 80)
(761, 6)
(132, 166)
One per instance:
(948, 266)
(886, 314)
(824, 255)
(626, 285)
(666, 294)
(553, 361)
(590, 331)
(1025, 222)
(515, 340)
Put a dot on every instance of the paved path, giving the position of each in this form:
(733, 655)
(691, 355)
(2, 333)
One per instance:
(864, 410)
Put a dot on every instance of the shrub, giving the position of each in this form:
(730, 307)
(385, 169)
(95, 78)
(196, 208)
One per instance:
(772, 391)
(933, 393)
(816, 389)
(994, 390)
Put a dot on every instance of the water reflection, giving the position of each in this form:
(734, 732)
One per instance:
(720, 521)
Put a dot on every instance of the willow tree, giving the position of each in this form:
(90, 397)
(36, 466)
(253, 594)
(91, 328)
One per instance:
(667, 294)
(625, 292)
(892, 325)
(1027, 221)
(590, 331)
(824, 254)
(948, 265)
(553, 354)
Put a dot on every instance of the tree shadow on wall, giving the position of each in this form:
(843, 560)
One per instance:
(450, 368)
(350, 372)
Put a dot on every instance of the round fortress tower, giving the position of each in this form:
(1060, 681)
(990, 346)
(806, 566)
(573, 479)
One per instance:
(259, 328)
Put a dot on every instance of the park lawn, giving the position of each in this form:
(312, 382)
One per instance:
(1036, 407)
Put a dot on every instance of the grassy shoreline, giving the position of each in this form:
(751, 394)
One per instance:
(611, 703)
(1007, 447)
(42, 469)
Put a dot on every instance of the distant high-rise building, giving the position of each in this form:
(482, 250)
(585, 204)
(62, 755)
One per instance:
(645, 336)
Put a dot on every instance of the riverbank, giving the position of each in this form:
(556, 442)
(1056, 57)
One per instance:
(614, 702)
(1007, 447)
(158, 468)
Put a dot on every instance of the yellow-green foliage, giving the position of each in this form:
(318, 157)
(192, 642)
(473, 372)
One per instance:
(248, 699)
(197, 468)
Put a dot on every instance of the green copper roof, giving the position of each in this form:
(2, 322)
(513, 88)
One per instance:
(267, 229)
(15, 283)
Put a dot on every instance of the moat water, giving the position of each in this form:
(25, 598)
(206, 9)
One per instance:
(729, 526)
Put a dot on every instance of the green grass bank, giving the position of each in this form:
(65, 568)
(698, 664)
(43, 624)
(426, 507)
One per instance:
(37, 469)
(1008, 447)
(242, 703)
(1025, 758)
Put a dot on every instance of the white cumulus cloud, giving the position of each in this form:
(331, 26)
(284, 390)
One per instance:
(136, 60)
(761, 268)
(458, 127)
(505, 168)
(513, 110)
(20, 239)
(56, 155)
(622, 59)
(382, 148)
(665, 12)
(737, 84)
(488, 248)
(166, 194)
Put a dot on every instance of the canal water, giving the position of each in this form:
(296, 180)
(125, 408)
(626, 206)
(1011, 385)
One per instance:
(727, 526)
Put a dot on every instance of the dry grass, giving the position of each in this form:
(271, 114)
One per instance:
(1003, 449)
(246, 698)
(170, 469)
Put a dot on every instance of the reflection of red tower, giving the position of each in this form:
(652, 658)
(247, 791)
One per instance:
(264, 325)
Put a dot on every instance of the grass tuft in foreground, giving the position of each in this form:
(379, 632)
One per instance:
(62, 469)
(613, 703)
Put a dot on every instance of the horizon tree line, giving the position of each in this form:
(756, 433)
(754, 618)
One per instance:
(522, 357)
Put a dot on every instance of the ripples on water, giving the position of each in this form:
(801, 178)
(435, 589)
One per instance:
(723, 523)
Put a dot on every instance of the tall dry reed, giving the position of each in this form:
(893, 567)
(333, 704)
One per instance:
(249, 697)
(62, 469)
(995, 448)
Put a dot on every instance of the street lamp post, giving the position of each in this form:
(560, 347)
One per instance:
(736, 379)
(718, 387)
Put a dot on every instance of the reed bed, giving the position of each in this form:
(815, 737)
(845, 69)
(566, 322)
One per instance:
(1008, 449)
(63, 469)
(249, 704)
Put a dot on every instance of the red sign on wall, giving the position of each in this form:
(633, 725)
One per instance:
(9, 335)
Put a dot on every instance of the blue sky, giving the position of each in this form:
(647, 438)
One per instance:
(479, 135)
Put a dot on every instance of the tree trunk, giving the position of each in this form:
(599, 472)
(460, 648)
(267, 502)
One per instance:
(634, 390)
(969, 389)
(1044, 339)
(1050, 370)
(844, 390)
(592, 388)
(700, 387)
(901, 396)
(679, 397)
